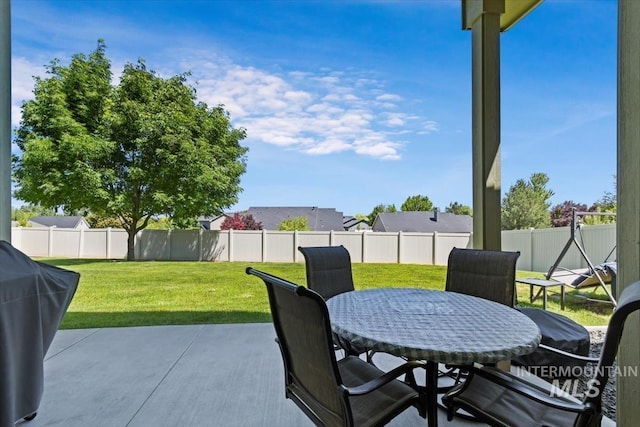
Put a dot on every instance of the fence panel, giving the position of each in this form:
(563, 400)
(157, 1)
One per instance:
(538, 248)
(599, 242)
(444, 242)
(519, 240)
(215, 245)
(381, 247)
(416, 248)
(279, 246)
(184, 245)
(154, 245)
(246, 246)
(352, 241)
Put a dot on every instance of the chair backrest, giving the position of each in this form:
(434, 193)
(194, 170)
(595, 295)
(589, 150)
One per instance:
(328, 269)
(628, 302)
(483, 273)
(301, 320)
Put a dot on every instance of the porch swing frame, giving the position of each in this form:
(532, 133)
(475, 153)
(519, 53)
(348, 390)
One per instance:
(573, 240)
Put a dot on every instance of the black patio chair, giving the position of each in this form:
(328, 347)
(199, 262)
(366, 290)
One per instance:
(483, 273)
(349, 392)
(328, 270)
(491, 275)
(502, 399)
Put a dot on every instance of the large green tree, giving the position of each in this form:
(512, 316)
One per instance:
(143, 148)
(417, 203)
(526, 204)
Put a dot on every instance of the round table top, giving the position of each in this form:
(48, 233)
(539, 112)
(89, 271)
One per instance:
(445, 327)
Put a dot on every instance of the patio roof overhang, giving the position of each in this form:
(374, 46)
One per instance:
(511, 11)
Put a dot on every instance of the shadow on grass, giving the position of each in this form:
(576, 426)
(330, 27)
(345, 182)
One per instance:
(67, 262)
(87, 320)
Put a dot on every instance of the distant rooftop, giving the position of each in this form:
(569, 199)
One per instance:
(318, 219)
(424, 222)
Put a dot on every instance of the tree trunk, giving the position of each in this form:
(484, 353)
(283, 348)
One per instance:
(131, 248)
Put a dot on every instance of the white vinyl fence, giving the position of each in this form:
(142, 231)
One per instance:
(538, 248)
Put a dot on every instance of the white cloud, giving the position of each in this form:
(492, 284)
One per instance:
(318, 113)
(389, 97)
(428, 127)
(22, 73)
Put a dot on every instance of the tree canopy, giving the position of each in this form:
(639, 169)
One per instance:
(143, 148)
(299, 223)
(417, 203)
(378, 209)
(526, 204)
(459, 209)
(562, 214)
(240, 222)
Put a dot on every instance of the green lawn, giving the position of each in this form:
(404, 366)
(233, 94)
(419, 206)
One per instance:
(113, 293)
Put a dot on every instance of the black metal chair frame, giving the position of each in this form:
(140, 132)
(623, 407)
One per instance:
(323, 380)
(587, 412)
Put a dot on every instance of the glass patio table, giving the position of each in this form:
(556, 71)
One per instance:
(435, 326)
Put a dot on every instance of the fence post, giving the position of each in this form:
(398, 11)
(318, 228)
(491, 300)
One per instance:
(50, 245)
(81, 243)
(200, 248)
(170, 244)
(364, 247)
(531, 230)
(107, 241)
(330, 237)
(264, 245)
(400, 247)
(295, 245)
(434, 251)
(230, 244)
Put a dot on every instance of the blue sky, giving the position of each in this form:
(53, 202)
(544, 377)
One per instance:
(352, 103)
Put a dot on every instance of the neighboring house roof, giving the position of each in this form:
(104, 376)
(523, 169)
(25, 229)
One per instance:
(318, 219)
(352, 223)
(59, 221)
(424, 222)
(212, 222)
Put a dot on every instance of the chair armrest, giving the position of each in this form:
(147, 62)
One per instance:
(387, 377)
(570, 355)
(526, 389)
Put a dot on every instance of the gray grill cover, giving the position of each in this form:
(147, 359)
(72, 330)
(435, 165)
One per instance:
(559, 332)
(33, 299)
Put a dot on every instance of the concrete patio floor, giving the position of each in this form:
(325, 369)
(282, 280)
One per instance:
(203, 375)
